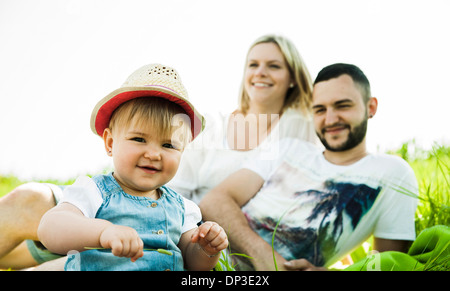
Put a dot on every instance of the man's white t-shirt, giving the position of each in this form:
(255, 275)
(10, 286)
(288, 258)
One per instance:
(326, 210)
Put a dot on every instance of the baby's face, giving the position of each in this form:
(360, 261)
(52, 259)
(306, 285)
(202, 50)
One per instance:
(143, 160)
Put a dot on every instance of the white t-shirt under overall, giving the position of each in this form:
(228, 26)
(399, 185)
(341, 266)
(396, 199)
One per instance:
(327, 210)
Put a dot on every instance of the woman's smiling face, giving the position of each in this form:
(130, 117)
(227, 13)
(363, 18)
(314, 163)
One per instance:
(267, 76)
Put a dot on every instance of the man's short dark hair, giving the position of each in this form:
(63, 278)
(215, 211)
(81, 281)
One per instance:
(339, 69)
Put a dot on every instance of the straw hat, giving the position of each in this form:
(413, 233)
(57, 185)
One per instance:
(152, 80)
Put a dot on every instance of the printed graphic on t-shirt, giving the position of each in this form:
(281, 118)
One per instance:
(314, 214)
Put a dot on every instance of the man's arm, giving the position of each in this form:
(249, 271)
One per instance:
(223, 205)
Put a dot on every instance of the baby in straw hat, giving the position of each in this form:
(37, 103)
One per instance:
(128, 219)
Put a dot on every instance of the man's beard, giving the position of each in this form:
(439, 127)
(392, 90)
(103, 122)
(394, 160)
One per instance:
(355, 137)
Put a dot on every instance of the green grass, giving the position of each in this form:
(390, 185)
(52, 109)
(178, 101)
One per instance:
(433, 175)
(432, 170)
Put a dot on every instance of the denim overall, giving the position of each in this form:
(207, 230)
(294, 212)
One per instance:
(158, 223)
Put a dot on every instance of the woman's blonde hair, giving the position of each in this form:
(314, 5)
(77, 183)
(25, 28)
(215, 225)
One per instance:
(300, 96)
(164, 118)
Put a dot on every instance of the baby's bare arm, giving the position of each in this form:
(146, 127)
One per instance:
(65, 228)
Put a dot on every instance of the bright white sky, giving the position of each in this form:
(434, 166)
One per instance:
(59, 57)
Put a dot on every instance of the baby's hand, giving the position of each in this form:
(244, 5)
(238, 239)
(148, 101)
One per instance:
(123, 241)
(211, 237)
